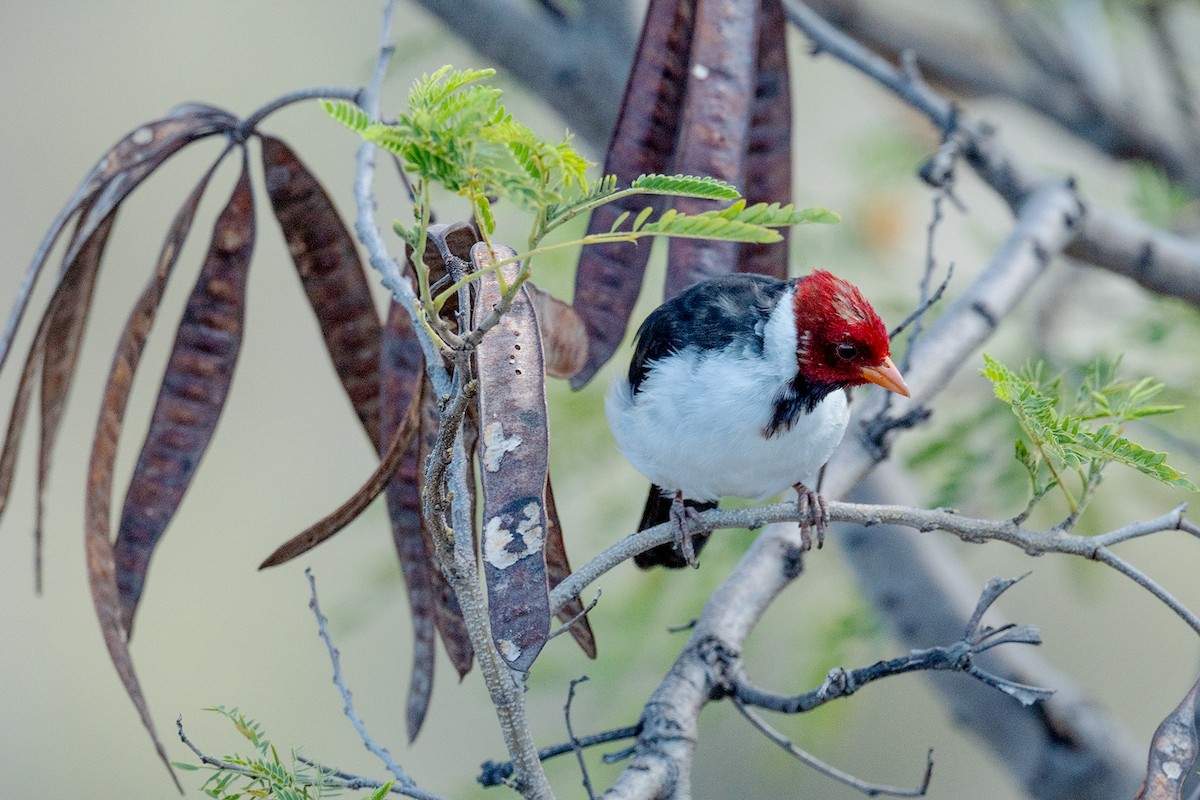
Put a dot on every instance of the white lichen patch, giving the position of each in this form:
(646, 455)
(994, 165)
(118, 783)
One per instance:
(495, 445)
(508, 650)
(505, 546)
(1171, 769)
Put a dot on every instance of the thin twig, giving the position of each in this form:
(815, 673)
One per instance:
(574, 741)
(496, 773)
(566, 626)
(869, 789)
(1156, 259)
(956, 657)
(250, 123)
(365, 226)
(335, 659)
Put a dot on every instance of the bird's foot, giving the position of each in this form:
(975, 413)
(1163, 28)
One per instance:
(683, 519)
(814, 514)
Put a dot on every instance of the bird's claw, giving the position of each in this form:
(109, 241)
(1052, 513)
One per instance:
(683, 518)
(814, 515)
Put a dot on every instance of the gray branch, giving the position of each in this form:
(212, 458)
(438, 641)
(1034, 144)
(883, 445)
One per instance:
(971, 65)
(1068, 746)
(1159, 261)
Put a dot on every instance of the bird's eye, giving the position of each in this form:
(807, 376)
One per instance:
(847, 351)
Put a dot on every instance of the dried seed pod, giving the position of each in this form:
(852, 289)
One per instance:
(332, 275)
(192, 395)
(609, 277)
(769, 151)
(714, 131)
(513, 453)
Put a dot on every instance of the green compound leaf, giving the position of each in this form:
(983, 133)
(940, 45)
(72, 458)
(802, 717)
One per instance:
(431, 90)
(347, 114)
(1067, 438)
(1107, 444)
(686, 186)
(738, 223)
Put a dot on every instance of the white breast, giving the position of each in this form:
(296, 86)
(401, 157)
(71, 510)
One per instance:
(696, 423)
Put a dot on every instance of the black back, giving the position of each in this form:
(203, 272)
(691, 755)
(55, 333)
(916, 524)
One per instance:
(710, 316)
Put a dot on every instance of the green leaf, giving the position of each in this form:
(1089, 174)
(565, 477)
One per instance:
(1066, 437)
(709, 225)
(1106, 444)
(686, 186)
(185, 766)
(381, 792)
(483, 210)
(642, 216)
(429, 91)
(737, 223)
(347, 114)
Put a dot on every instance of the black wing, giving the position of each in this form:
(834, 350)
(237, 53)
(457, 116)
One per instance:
(708, 316)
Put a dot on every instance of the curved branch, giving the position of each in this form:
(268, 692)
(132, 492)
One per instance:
(969, 529)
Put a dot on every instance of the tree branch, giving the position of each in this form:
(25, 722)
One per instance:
(1068, 746)
(969, 529)
(970, 65)
(365, 226)
(1158, 260)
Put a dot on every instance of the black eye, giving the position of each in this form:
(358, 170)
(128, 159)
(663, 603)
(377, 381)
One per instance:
(847, 351)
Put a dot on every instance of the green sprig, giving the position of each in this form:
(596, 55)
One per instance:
(1083, 433)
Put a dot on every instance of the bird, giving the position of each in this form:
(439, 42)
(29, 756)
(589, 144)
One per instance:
(737, 387)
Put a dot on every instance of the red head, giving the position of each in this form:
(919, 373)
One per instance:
(839, 337)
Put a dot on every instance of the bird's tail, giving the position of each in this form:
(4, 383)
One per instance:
(658, 511)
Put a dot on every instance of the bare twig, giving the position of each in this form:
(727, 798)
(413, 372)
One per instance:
(376, 749)
(971, 66)
(575, 744)
(250, 123)
(496, 773)
(925, 300)
(566, 626)
(841, 776)
(957, 657)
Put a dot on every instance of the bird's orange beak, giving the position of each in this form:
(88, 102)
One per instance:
(887, 376)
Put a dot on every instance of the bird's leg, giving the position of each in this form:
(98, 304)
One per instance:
(813, 512)
(683, 517)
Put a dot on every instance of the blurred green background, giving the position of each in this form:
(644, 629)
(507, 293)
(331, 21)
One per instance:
(212, 630)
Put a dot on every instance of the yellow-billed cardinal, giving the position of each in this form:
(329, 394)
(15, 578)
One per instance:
(736, 388)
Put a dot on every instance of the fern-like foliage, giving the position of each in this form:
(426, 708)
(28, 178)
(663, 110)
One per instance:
(738, 222)
(348, 114)
(686, 186)
(1080, 431)
(455, 132)
(263, 774)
